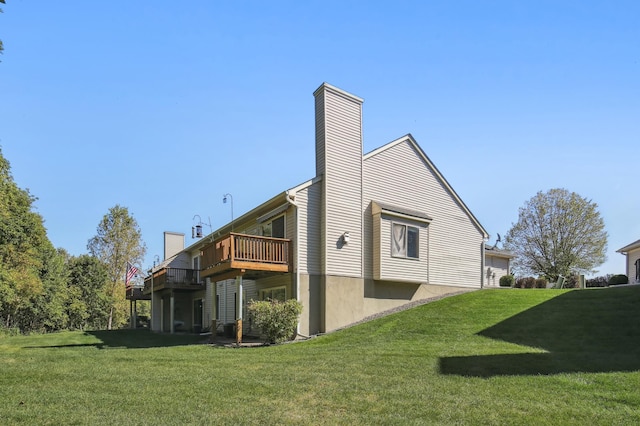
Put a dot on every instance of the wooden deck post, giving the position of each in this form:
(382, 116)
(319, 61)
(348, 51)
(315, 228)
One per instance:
(239, 310)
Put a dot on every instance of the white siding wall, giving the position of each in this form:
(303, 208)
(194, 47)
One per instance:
(400, 269)
(632, 256)
(494, 268)
(399, 176)
(309, 201)
(339, 150)
(226, 290)
(181, 261)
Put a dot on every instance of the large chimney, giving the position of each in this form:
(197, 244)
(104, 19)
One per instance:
(339, 162)
(173, 243)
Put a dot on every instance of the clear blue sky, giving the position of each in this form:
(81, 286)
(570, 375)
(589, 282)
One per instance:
(163, 107)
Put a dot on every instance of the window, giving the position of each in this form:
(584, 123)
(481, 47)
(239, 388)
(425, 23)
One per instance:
(276, 293)
(274, 229)
(196, 268)
(404, 241)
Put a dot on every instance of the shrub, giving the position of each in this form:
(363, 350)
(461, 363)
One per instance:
(277, 320)
(601, 281)
(526, 282)
(8, 331)
(572, 281)
(541, 283)
(507, 281)
(618, 279)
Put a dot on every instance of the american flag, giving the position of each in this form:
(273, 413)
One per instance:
(131, 272)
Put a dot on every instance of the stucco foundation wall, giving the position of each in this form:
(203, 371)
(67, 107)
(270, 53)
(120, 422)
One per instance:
(310, 299)
(342, 301)
(345, 300)
(381, 296)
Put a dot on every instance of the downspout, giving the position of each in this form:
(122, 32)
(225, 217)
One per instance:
(291, 200)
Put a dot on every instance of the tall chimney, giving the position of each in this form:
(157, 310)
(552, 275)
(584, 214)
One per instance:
(339, 161)
(173, 243)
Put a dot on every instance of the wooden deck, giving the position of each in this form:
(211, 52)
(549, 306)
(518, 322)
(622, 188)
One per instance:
(136, 293)
(174, 278)
(240, 254)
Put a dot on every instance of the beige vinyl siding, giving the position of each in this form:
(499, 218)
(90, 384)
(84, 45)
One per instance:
(400, 176)
(495, 268)
(275, 281)
(632, 256)
(208, 301)
(391, 268)
(320, 135)
(309, 201)
(227, 300)
(181, 261)
(342, 180)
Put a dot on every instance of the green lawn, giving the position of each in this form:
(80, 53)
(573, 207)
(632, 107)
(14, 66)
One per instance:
(488, 357)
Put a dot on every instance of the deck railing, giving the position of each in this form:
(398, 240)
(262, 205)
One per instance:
(173, 278)
(246, 248)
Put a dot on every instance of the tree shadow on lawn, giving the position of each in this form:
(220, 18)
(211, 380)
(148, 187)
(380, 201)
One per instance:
(132, 339)
(590, 331)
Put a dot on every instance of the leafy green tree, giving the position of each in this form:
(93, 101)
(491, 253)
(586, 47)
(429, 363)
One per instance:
(88, 285)
(49, 309)
(558, 232)
(118, 241)
(24, 251)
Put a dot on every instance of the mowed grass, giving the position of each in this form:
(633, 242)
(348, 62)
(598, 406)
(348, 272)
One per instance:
(540, 357)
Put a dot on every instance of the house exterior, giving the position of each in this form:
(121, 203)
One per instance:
(497, 264)
(367, 233)
(632, 264)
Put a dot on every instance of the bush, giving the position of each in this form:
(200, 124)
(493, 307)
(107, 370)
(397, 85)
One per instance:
(277, 320)
(601, 281)
(526, 282)
(8, 331)
(572, 281)
(618, 279)
(507, 281)
(541, 283)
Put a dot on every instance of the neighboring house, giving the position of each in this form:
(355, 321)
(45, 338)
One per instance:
(632, 265)
(497, 264)
(366, 234)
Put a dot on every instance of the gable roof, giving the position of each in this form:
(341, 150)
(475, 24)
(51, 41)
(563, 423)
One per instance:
(496, 252)
(628, 248)
(409, 138)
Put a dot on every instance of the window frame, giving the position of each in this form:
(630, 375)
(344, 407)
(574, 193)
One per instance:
(407, 240)
(262, 293)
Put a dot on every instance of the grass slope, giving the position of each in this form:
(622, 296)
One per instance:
(488, 357)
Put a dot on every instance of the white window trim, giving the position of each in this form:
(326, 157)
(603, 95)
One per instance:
(271, 290)
(406, 248)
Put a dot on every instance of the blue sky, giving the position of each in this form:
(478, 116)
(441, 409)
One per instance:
(163, 107)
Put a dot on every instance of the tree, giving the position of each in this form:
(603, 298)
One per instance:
(558, 232)
(117, 242)
(24, 253)
(88, 285)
